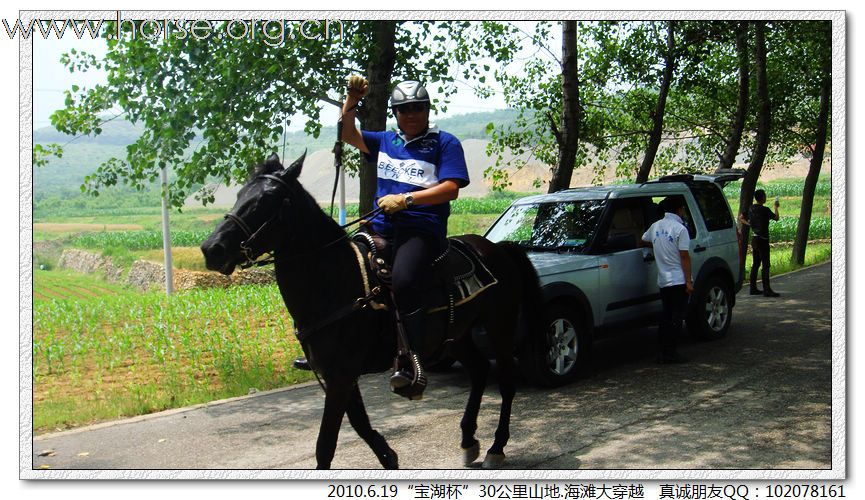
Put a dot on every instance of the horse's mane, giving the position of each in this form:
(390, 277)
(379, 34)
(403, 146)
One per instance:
(300, 195)
(269, 166)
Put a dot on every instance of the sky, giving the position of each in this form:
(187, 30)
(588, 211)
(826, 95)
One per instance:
(51, 79)
(15, 196)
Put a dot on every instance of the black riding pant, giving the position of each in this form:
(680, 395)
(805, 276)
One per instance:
(674, 300)
(412, 268)
(760, 257)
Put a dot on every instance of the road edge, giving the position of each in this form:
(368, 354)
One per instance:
(173, 411)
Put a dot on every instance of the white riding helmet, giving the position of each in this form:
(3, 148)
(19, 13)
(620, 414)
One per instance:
(408, 91)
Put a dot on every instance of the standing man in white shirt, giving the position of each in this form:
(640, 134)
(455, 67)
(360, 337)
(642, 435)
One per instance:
(670, 242)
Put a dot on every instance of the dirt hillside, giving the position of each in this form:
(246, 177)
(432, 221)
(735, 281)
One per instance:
(318, 175)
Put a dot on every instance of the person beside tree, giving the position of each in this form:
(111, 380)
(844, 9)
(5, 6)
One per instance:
(758, 218)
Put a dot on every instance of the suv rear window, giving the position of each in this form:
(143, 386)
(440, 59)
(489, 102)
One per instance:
(713, 206)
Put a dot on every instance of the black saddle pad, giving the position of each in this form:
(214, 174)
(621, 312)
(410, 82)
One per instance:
(463, 272)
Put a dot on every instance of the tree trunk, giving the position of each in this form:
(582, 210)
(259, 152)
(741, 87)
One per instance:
(658, 117)
(373, 115)
(804, 224)
(570, 122)
(734, 137)
(749, 182)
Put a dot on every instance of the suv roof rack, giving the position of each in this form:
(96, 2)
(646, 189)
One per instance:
(720, 176)
(675, 178)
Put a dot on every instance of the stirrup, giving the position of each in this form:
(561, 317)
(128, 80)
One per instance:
(408, 382)
(301, 364)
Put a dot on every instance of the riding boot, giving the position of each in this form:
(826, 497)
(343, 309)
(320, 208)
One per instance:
(408, 379)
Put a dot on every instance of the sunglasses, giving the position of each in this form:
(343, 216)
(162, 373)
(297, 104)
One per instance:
(412, 107)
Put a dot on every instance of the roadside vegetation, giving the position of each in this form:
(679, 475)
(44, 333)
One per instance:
(782, 261)
(103, 352)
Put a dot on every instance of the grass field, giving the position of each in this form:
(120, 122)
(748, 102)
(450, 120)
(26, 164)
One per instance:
(781, 258)
(103, 352)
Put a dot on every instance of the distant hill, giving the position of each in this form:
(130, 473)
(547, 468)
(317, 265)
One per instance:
(318, 173)
(64, 176)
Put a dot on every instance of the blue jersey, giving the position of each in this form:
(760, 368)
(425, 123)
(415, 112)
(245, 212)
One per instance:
(420, 163)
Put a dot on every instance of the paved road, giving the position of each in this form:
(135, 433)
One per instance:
(758, 399)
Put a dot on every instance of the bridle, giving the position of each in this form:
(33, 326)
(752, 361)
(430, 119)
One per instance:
(247, 246)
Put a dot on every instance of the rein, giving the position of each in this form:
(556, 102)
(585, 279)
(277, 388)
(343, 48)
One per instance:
(246, 246)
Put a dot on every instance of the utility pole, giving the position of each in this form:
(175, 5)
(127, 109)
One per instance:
(166, 235)
(341, 195)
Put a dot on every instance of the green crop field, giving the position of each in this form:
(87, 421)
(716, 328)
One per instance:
(64, 285)
(103, 352)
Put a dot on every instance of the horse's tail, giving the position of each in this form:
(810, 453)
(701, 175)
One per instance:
(532, 306)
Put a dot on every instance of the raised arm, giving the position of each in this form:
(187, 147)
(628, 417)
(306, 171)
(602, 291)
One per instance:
(357, 88)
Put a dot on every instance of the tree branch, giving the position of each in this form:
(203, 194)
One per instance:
(554, 128)
(679, 138)
(79, 136)
(699, 125)
(625, 134)
(805, 140)
(331, 101)
(546, 49)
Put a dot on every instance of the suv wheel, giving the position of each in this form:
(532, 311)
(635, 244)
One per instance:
(556, 358)
(713, 310)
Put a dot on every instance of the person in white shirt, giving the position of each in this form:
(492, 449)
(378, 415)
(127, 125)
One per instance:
(670, 242)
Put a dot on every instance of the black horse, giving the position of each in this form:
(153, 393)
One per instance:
(319, 275)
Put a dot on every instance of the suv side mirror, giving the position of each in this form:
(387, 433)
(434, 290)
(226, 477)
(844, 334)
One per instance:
(621, 241)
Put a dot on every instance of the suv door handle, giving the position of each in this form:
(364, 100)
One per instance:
(649, 258)
(698, 248)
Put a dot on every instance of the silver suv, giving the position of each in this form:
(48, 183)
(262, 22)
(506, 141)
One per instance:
(597, 279)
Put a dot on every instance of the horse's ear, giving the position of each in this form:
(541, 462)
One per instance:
(273, 160)
(293, 170)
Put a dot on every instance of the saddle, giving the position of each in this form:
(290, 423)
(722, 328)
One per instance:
(460, 271)
(460, 277)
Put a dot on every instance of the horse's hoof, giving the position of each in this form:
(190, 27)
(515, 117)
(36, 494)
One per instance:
(493, 461)
(390, 461)
(471, 454)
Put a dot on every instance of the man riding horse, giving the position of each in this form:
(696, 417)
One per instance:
(420, 169)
